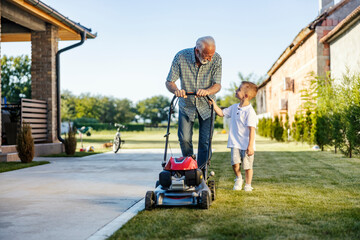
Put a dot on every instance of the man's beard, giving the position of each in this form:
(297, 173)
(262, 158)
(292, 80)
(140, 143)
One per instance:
(201, 60)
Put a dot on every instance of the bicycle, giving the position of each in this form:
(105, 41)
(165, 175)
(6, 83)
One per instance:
(117, 138)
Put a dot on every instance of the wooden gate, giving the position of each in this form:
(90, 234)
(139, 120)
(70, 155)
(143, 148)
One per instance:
(34, 112)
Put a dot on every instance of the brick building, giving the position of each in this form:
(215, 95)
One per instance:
(43, 26)
(344, 41)
(280, 93)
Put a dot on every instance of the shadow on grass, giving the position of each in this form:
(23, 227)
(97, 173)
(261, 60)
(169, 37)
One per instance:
(297, 195)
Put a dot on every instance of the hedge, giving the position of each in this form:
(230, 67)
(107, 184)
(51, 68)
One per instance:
(110, 126)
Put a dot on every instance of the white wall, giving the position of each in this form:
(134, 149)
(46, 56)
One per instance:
(345, 52)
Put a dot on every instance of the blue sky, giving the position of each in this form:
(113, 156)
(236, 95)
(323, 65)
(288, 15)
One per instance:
(137, 40)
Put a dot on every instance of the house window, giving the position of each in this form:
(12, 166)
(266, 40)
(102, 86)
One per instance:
(283, 104)
(288, 84)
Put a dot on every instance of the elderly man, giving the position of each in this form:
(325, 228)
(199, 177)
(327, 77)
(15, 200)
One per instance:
(199, 70)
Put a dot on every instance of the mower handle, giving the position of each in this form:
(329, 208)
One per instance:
(171, 110)
(194, 94)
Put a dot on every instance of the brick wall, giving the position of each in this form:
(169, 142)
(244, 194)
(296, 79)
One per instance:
(323, 50)
(298, 68)
(326, 26)
(311, 56)
(44, 47)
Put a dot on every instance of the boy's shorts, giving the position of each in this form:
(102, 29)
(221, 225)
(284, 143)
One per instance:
(240, 156)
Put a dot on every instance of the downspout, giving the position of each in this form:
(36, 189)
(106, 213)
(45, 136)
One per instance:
(83, 35)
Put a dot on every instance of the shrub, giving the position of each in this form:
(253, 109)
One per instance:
(299, 128)
(337, 131)
(322, 130)
(261, 127)
(285, 136)
(25, 144)
(308, 125)
(70, 141)
(277, 129)
(268, 132)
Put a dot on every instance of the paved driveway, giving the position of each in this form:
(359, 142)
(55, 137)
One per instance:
(72, 198)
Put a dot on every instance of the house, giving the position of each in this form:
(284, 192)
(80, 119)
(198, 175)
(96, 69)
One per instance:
(344, 41)
(43, 26)
(309, 52)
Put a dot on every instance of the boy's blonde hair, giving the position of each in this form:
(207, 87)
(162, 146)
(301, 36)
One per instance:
(250, 89)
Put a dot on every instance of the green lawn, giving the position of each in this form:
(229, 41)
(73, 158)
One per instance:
(298, 194)
(10, 166)
(133, 140)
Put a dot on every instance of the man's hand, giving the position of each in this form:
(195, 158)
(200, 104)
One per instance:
(202, 93)
(180, 93)
(250, 151)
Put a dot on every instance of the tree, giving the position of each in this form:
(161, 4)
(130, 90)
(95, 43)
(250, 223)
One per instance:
(155, 109)
(68, 106)
(15, 78)
(108, 110)
(350, 85)
(96, 108)
(124, 111)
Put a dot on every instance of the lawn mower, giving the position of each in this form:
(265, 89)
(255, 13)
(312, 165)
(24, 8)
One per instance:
(182, 182)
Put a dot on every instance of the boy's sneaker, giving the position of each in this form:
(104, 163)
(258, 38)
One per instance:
(238, 184)
(248, 188)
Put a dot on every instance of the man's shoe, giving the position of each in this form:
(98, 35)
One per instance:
(248, 188)
(238, 184)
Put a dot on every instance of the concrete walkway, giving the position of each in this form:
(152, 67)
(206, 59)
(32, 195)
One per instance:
(73, 198)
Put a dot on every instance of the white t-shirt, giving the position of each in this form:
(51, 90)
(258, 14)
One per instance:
(241, 118)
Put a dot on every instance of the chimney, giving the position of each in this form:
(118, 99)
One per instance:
(324, 5)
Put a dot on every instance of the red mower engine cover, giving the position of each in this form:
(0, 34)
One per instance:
(182, 163)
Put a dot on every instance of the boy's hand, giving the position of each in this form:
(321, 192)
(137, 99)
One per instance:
(250, 151)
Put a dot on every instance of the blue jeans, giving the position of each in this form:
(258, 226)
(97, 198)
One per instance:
(185, 133)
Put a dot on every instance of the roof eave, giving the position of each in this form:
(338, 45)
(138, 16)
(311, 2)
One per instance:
(49, 14)
(301, 37)
(344, 25)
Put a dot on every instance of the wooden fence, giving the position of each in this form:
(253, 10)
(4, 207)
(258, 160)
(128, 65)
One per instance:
(34, 112)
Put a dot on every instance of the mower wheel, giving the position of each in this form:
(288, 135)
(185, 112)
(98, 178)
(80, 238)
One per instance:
(149, 200)
(205, 200)
(157, 183)
(212, 187)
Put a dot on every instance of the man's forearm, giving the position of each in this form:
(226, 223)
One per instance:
(214, 89)
(171, 86)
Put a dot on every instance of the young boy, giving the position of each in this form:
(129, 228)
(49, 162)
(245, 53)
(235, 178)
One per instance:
(242, 133)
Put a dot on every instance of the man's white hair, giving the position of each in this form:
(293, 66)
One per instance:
(203, 41)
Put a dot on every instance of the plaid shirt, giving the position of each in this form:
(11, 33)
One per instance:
(193, 78)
